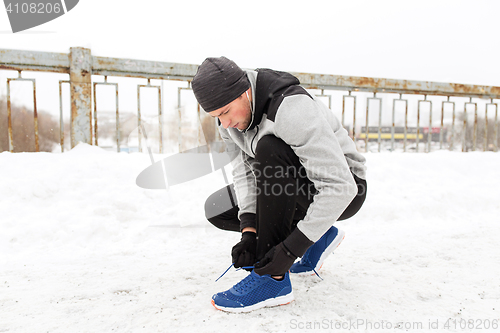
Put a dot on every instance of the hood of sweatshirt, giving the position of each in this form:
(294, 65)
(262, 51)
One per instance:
(270, 85)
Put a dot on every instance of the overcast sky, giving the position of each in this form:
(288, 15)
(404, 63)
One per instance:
(448, 41)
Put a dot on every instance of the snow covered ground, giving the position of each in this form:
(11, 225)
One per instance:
(83, 249)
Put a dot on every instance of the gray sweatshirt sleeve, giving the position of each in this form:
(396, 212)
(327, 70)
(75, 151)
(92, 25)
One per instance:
(317, 138)
(243, 178)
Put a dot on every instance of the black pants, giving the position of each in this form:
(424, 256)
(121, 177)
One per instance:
(283, 196)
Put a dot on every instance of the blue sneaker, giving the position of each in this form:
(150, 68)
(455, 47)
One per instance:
(254, 292)
(314, 257)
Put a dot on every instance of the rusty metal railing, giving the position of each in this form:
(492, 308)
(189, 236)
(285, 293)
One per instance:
(372, 98)
(376, 86)
(106, 83)
(149, 85)
(9, 112)
(61, 118)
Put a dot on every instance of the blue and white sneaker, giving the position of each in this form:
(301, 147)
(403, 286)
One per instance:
(314, 257)
(254, 292)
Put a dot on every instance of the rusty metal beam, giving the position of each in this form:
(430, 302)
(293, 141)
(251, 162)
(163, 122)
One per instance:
(355, 83)
(143, 69)
(60, 62)
(19, 60)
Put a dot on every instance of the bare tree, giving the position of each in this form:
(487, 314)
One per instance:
(23, 129)
(481, 134)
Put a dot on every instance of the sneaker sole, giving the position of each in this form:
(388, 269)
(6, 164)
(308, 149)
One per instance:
(336, 242)
(281, 300)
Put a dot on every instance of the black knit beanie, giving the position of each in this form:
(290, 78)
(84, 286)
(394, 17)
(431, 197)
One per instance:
(218, 82)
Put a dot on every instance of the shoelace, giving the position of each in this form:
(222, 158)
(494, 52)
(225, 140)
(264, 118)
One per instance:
(305, 261)
(245, 284)
(245, 267)
(317, 274)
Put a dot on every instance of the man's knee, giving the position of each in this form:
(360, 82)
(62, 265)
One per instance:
(210, 208)
(214, 213)
(268, 146)
(221, 209)
(272, 151)
(220, 201)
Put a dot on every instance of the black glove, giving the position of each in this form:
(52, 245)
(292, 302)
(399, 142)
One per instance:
(277, 261)
(280, 258)
(243, 253)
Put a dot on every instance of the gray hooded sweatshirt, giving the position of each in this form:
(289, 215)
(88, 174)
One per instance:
(281, 107)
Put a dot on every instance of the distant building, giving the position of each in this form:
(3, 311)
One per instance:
(387, 132)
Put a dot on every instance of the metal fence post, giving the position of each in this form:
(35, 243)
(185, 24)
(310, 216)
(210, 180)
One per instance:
(81, 95)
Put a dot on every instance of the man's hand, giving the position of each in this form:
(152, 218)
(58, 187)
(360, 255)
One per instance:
(276, 262)
(243, 253)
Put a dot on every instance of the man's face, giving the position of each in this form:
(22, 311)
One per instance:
(237, 114)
